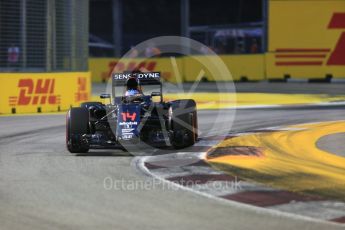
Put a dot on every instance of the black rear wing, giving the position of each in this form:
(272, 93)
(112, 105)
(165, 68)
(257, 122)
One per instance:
(149, 78)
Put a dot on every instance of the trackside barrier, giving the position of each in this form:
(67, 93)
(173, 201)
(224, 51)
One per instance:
(306, 39)
(43, 92)
(242, 67)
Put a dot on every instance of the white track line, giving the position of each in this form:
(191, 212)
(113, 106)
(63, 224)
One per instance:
(139, 163)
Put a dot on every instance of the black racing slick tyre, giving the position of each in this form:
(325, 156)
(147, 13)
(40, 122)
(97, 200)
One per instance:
(183, 123)
(77, 124)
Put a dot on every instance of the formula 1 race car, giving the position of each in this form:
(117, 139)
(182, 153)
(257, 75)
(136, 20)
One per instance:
(132, 117)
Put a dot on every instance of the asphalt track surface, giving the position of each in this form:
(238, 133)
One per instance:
(42, 186)
(334, 143)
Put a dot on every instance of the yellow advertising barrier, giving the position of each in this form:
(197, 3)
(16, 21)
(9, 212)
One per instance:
(306, 39)
(43, 92)
(101, 68)
(241, 67)
(179, 69)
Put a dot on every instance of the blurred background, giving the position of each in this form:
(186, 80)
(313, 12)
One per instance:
(43, 35)
(51, 35)
(227, 27)
(258, 40)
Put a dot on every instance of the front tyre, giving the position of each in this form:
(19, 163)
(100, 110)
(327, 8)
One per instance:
(183, 123)
(77, 124)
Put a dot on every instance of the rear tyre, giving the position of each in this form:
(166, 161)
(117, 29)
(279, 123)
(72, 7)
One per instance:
(77, 124)
(183, 123)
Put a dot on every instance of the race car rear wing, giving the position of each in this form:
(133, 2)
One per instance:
(149, 78)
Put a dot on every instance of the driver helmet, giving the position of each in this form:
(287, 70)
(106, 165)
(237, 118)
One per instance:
(132, 87)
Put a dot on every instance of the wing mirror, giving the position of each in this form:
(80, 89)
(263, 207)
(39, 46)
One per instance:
(156, 94)
(104, 95)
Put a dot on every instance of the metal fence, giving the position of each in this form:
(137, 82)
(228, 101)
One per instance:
(43, 35)
(245, 38)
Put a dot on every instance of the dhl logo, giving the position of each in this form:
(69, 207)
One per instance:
(39, 92)
(82, 93)
(316, 57)
(119, 67)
